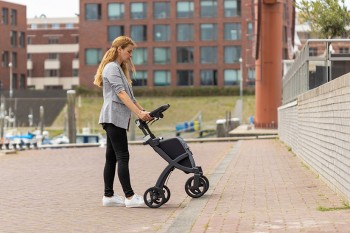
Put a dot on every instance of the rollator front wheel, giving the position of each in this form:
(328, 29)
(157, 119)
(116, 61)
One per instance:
(196, 191)
(166, 194)
(154, 197)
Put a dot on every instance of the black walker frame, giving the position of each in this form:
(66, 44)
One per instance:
(179, 156)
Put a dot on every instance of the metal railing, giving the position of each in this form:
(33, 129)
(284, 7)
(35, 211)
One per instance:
(319, 61)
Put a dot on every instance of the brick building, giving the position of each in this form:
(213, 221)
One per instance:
(12, 46)
(53, 51)
(180, 43)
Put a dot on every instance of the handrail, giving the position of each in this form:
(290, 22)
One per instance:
(314, 67)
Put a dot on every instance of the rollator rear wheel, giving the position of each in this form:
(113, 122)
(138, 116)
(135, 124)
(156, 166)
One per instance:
(154, 197)
(193, 191)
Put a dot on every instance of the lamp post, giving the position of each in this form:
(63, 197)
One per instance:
(241, 87)
(11, 92)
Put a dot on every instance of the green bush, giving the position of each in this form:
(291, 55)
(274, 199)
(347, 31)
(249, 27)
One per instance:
(174, 91)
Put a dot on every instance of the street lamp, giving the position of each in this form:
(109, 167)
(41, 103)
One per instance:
(10, 65)
(241, 87)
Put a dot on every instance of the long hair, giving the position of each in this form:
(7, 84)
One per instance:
(111, 55)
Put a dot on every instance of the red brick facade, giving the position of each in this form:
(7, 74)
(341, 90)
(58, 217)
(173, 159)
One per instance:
(94, 34)
(13, 24)
(53, 45)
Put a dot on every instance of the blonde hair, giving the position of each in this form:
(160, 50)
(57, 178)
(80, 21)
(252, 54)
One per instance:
(111, 55)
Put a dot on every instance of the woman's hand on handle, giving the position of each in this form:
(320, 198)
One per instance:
(144, 115)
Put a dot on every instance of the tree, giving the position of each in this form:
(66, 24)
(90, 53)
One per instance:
(327, 18)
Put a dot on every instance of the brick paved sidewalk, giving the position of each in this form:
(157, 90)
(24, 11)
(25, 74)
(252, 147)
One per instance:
(265, 188)
(256, 186)
(60, 190)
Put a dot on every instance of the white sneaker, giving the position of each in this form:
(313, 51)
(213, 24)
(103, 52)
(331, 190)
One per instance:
(135, 201)
(113, 201)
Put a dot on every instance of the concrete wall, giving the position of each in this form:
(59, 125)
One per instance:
(317, 128)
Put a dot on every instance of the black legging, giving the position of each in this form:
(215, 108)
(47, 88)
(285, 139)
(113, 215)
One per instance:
(116, 151)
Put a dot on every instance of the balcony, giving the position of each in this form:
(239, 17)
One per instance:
(52, 64)
(29, 64)
(75, 64)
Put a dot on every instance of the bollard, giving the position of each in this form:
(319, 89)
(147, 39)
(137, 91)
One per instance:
(71, 116)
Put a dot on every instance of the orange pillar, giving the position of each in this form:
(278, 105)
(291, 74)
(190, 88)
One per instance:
(268, 84)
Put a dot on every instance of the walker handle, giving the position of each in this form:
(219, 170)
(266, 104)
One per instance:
(158, 113)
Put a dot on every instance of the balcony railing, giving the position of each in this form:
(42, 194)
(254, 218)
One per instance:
(319, 61)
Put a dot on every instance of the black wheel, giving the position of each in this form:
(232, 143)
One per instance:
(154, 197)
(166, 191)
(206, 181)
(193, 191)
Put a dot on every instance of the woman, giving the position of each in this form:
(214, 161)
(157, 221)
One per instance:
(113, 75)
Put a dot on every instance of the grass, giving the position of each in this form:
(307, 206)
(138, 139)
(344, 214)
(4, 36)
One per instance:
(345, 206)
(181, 109)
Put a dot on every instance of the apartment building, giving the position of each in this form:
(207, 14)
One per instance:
(12, 47)
(180, 43)
(53, 53)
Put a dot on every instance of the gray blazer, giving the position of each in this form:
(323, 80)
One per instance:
(113, 109)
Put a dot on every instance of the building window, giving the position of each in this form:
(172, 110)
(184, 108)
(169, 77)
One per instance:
(93, 11)
(343, 50)
(161, 33)
(53, 56)
(161, 78)
(116, 11)
(5, 58)
(161, 10)
(208, 55)
(161, 55)
(93, 56)
(33, 26)
(232, 54)
(251, 76)
(139, 32)
(21, 39)
(29, 40)
(250, 31)
(114, 32)
(14, 81)
(75, 72)
(55, 26)
(184, 9)
(232, 31)
(231, 77)
(184, 77)
(13, 35)
(138, 10)
(5, 15)
(14, 60)
(22, 81)
(13, 17)
(52, 73)
(209, 78)
(232, 8)
(69, 25)
(53, 40)
(312, 51)
(184, 32)
(140, 78)
(184, 55)
(208, 31)
(139, 56)
(208, 8)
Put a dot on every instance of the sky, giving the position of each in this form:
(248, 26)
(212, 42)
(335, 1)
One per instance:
(51, 8)
(61, 8)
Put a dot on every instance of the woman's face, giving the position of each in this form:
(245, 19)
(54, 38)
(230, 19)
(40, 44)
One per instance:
(125, 54)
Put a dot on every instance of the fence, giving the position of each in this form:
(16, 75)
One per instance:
(319, 61)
